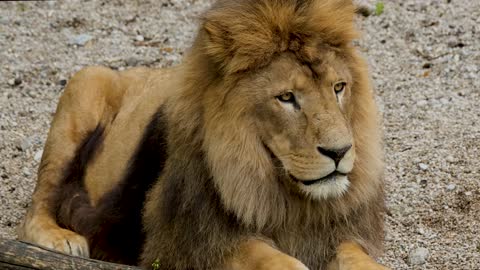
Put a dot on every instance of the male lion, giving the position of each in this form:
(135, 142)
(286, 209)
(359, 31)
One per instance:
(261, 151)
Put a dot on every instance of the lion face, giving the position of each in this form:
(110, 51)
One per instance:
(302, 121)
(289, 106)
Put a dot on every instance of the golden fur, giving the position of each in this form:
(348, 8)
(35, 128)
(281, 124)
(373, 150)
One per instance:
(249, 181)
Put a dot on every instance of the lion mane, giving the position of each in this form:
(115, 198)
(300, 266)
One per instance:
(220, 177)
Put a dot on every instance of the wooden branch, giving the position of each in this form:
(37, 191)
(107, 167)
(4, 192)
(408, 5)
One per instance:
(15, 255)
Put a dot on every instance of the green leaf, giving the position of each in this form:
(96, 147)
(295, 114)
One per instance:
(379, 8)
(156, 264)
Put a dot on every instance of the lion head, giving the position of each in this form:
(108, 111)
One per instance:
(287, 113)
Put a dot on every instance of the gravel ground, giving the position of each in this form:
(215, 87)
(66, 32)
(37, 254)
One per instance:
(425, 62)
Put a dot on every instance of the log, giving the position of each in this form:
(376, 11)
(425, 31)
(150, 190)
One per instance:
(16, 255)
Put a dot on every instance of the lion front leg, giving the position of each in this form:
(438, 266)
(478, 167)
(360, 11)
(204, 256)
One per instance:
(351, 256)
(258, 255)
(85, 105)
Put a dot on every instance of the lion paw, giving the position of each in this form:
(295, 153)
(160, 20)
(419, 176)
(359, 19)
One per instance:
(364, 266)
(371, 267)
(282, 262)
(64, 241)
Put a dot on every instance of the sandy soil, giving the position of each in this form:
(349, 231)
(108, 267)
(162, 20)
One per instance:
(425, 62)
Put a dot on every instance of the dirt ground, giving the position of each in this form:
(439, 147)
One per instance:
(425, 61)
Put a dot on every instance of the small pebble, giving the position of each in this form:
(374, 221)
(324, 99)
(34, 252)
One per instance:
(62, 82)
(456, 44)
(444, 101)
(427, 65)
(423, 183)
(139, 38)
(450, 159)
(81, 40)
(364, 11)
(132, 61)
(38, 155)
(24, 144)
(418, 256)
(451, 187)
(26, 172)
(423, 166)
(32, 94)
(468, 193)
(422, 103)
(15, 82)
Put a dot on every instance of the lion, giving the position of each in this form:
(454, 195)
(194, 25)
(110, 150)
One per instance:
(262, 150)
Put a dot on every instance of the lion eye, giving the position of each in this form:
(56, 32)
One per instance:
(339, 87)
(287, 97)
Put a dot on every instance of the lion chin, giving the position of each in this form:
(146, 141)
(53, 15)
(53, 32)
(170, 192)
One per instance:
(331, 186)
(328, 181)
(262, 150)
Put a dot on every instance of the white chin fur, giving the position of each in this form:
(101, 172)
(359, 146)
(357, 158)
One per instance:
(332, 188)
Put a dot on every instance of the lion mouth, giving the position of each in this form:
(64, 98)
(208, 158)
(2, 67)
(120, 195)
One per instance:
(331, 177)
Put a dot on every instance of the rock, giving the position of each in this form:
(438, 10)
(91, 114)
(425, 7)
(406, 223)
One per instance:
(401, 210)
(80, 40)
(24, 144)
(139, 38)
(468, 193)
(422, 103)
(15, 81)
(418, 256)
(132, 61)
(26, 172)
(427, 65)
(32, 94)
(456, 44)
(423, 183)
(423, 166)
(451, 187)
(131, 18)
(38, 155)
(62, 82)
(364, 11)
(450, 159)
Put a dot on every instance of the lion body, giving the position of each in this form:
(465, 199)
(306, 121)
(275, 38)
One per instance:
(178, 166)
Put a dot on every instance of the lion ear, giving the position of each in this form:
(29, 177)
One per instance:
(235, 46)
(218, 43)
(239, 36)
(246, 34)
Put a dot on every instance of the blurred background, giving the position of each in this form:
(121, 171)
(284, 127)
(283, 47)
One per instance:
(424, 57)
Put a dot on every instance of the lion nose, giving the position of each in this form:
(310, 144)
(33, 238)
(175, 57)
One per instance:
(335, 154)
